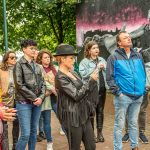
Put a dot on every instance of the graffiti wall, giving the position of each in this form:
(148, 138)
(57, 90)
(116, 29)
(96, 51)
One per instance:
(101, 20)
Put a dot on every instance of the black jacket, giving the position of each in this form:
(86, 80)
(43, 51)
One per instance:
(29, 83)
(74, 102)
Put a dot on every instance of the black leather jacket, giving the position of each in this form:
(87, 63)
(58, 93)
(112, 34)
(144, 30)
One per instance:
(74, 102)
(29, 83)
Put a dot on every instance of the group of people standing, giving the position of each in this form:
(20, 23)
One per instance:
(29, 87)
(36, 85)
(124, 74)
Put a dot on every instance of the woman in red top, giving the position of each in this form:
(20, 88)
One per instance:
(45, 59)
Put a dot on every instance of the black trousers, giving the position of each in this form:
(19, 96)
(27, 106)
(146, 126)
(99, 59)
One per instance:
(142, 115)
(82, 133)
(5, 142)
(100, 109)
(15, 134)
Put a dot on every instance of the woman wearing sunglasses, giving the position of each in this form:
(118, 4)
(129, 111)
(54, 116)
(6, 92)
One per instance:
(74, 105)
(7, 88)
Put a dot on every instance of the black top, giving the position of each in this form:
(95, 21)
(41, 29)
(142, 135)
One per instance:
(74, 99)
(101, 81)
(28, 80)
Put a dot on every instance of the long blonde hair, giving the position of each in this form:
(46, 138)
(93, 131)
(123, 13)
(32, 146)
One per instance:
(58, 58)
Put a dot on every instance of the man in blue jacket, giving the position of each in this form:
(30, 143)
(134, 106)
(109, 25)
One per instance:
(125, 74)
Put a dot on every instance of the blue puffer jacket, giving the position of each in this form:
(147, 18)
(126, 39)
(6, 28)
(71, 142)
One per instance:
(126, 75)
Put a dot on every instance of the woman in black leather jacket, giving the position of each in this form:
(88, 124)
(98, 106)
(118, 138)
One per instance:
(74, 102)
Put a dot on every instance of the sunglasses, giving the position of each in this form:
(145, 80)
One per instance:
(13, 57)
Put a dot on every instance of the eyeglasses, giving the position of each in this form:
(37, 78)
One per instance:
(13, 57)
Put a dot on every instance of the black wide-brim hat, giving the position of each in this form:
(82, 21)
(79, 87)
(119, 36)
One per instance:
(64, 50)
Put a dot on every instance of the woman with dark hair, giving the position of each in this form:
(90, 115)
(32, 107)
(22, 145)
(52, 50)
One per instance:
(90, 63)
(74, 105)
(45, 58)
(7, 87)
(29, 93)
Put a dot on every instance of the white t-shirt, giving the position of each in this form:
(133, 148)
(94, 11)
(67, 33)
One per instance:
(128, 55)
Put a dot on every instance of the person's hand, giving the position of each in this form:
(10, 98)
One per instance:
(37, 101)
(94, 75)
(54, 92)
(101, 66)
(147, 88)
(121, 95)
(48, 93)
(8, 114)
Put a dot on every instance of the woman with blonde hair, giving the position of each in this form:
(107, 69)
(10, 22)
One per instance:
(74, 105)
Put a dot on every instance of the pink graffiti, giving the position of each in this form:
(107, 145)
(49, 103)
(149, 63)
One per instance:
(131, 15)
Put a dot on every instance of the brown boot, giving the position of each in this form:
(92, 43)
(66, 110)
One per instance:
(136, 148)
(100, 137)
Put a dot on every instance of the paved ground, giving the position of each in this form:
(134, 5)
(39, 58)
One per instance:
(60, 142)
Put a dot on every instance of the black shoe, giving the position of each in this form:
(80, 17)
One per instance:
(39, 139)
(125, 138)
(143, 138)
(42, 135)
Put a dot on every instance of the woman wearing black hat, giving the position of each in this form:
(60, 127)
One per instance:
(74, 105)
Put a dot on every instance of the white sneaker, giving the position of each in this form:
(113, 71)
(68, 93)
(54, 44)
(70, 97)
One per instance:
(61, 132)
(49, 146)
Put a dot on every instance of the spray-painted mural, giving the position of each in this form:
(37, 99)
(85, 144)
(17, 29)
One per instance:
(101, 20)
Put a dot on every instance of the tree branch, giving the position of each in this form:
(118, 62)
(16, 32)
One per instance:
(59, 22)
(52, 24)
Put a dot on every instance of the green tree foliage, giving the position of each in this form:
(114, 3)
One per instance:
(49, 22)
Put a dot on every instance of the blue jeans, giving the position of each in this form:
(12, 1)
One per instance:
(124, 104)
(28, 116)
(41, 125)
(46, 115)
(54, 103)
(54, 108)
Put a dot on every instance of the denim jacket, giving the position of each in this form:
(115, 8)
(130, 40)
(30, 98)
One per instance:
(87, 66)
